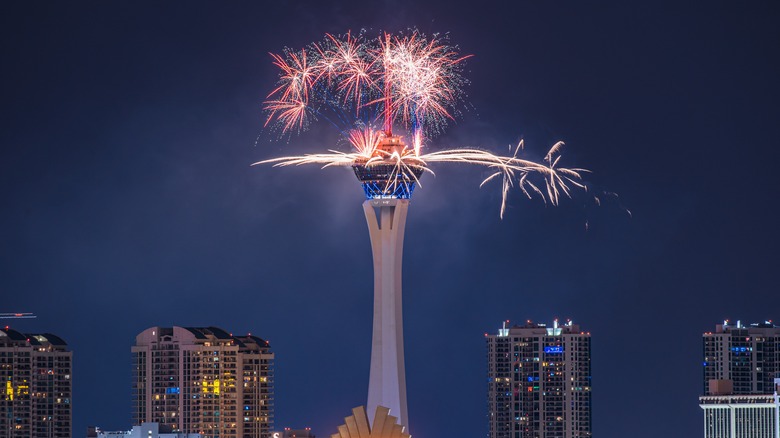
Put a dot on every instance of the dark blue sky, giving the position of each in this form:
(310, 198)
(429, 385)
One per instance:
(128, 200)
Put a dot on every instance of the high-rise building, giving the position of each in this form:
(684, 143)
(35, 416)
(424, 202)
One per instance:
(741, 378)
(748, 356)
(35, 396)
(539, 382)
(203, 380)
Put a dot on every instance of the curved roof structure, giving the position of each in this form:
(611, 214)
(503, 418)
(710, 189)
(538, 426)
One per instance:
(198, 335)
(11, 336)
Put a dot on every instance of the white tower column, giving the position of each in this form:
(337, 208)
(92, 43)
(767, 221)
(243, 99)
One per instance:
(387, 380)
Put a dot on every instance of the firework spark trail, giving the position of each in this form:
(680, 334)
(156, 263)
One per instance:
(409, 79)
(558, 181)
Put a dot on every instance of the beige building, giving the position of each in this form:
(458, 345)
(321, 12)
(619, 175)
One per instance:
(203, 380)
(539, 382)
(35, 386)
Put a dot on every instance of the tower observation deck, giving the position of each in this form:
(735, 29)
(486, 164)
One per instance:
(385, 177)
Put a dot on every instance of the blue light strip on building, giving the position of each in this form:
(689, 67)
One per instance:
(379, 190)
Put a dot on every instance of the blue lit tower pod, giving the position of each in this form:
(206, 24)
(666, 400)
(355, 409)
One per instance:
(383, 179)
(388, 190)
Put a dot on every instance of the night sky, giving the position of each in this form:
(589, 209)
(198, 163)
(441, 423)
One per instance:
(128, 200)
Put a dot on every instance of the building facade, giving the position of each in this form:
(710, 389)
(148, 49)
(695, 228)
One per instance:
(35, 396)
(742, 416)
(203, 380)
(539, 382)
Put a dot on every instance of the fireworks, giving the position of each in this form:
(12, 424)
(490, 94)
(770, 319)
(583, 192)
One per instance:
(356, 83)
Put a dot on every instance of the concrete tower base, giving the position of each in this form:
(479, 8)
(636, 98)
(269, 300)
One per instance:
(386, 220)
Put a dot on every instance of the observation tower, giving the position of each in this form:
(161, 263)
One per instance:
(388, 186)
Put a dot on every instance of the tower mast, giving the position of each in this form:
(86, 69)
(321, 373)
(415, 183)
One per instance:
(387, 109)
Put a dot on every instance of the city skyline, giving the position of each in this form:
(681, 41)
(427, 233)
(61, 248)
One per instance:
(129, 202)
(516, 354)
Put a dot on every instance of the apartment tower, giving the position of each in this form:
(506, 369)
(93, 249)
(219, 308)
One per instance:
(747, 355)
(203, 380)
(539, 382)
(35, 385)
